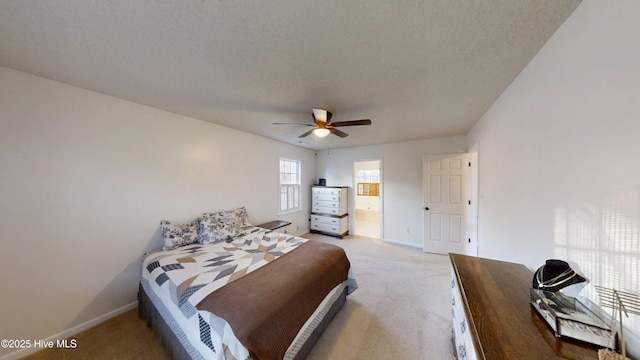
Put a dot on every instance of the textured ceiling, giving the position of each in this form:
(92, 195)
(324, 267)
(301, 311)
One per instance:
(418, 69)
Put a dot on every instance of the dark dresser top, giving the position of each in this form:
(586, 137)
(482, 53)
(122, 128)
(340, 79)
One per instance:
(502, 322)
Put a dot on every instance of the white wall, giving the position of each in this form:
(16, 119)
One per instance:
(560, 152)
(85, 180)
(402, 202)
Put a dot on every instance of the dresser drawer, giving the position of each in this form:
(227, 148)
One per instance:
(463, 341)
(333, 191)
(329, 220)
(325, 210)
(332, 229)
(325, 197)
(330, 224)
(325, 191)
(330, 204)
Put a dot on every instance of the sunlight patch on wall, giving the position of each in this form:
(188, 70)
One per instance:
(604, 241)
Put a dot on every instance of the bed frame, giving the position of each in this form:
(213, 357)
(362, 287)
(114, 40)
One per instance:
(176, 350)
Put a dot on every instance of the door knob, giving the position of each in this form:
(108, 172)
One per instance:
(426, 208)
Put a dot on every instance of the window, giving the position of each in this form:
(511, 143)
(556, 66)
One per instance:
(369, 176)
(369, 182)
(289, 185)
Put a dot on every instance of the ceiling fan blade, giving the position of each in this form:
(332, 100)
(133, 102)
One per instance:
(342, 134)
(306, 133)
(298, 124)
(352, 122)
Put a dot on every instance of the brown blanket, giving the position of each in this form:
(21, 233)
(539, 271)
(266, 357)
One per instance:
(267, 307)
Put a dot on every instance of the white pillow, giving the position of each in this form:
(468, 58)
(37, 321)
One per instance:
(177, 234)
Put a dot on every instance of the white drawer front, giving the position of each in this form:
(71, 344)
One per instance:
(331, 204)
(463, 340)
(325, 220)
(325, 191)
(325, 210)
(332, 191)
(326, 197)
(328, 228)
(317, 191)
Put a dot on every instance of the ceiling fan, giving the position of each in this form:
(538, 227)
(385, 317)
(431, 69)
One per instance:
(323, 125)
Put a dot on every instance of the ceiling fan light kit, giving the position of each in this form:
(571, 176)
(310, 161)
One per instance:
(323, 125)
(321, 132)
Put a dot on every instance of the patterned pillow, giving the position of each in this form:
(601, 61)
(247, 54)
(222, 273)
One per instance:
(177, 234)
(241, 215)
(218, 227)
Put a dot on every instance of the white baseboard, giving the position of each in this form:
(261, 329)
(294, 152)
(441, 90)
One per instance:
(405, 243)
(71, 331)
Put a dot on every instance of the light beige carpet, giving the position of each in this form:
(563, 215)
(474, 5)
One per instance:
(401, 310)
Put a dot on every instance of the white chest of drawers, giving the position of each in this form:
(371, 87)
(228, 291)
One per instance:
(329, 210)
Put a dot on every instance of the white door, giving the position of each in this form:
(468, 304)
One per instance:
(446, 182)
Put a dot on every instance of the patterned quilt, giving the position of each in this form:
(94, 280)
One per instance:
(188, 274)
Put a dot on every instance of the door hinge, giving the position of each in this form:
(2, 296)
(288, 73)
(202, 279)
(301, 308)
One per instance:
(469, 202)
(469, 163)
(469, 240)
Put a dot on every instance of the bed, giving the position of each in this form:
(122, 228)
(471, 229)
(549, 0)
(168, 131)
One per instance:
(259, 294)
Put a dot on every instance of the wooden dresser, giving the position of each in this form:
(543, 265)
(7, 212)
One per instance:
(492, 317)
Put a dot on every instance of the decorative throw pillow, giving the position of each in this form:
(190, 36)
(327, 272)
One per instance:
(241, 215)
(177, 234)
(218, 227)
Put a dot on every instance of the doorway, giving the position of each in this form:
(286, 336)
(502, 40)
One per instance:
(368, 198)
